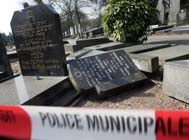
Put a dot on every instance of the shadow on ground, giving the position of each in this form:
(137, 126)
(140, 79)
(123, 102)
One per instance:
(140, 91)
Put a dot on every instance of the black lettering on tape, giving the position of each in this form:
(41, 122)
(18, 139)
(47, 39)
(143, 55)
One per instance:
(147, 123)
(69, 120)
(78, 122)
(7, 116)
(184, 126)
(115, 124)
(160, 126)
(123, 123)
(170, 131)
(51, 119)
(63, 120)
(59, 124)
(93, 122)
(131, 124)
(104, 123)
(43, 117)
(140, 125)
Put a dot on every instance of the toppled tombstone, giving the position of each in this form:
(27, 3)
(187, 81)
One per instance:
(175, 80)
(5, 68)
(104, 73)
(38, 40)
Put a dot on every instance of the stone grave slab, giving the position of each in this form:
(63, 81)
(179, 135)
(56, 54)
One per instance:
(5, 68)
(175, 80)
(104, 73)
(170, 54)
(29, 91)
(146, 48)
(109, 46)
(83, 43)
(38, 38)
(79, 53)
(144, 63)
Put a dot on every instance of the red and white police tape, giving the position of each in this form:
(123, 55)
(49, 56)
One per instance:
(50, 123)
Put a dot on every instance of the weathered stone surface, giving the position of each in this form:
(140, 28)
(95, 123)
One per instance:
(79, 54)
(144, 63)
(170, 54)
(93, 53)
(29, 91)
(146, 48)
(100, 72)
(109, 46)
(38, 39)
(175, 83)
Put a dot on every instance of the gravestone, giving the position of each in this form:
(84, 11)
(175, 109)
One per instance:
(38, 39)
(104, 73)
(5, 68)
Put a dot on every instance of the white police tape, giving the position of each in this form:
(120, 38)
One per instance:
(50, 123)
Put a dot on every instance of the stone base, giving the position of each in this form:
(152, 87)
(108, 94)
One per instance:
(29, 91)
(176, 83)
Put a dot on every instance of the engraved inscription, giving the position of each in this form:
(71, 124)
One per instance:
(102, 68)
(37, 35)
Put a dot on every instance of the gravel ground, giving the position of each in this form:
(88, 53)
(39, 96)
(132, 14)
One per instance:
(150, 96)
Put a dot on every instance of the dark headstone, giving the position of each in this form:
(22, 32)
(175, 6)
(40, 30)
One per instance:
(5, 68)
(104, 73)
(38, 39)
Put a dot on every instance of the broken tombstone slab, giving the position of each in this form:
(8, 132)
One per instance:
(83, 43)
(38, 40)
(104, 73)
(175, 80)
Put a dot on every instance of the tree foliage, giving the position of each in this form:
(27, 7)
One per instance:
(128, 20)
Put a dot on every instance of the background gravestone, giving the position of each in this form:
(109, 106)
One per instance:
(38, 39)
(182, 18)
(5, 68)
(105, 73)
